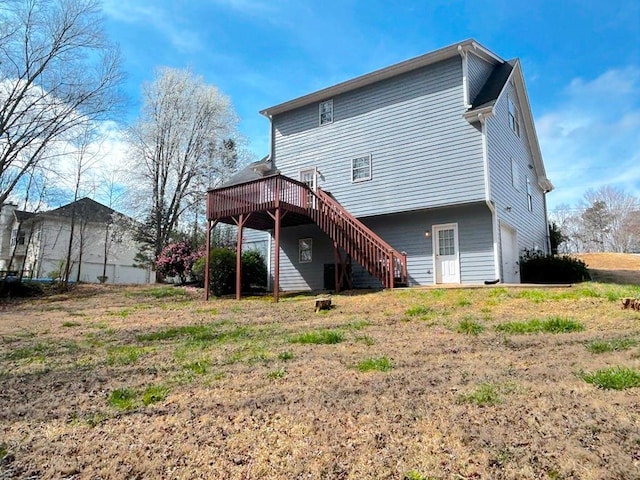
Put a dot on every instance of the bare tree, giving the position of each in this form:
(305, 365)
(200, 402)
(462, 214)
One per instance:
(57, 73)
(608, 219)
(175, 147)
(110, 187)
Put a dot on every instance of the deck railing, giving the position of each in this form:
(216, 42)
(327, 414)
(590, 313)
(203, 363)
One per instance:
(349, 233)
(365, 247)
(261, 194)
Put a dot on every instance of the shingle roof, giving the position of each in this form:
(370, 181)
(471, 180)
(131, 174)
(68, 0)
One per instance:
(21, 215)
(254, 171)
(89, 209)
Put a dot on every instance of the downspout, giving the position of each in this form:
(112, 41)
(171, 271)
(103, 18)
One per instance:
(546, 219)
(487, 192)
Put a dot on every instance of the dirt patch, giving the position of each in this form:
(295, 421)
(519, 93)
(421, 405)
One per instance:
(220, 389)
(621, 268)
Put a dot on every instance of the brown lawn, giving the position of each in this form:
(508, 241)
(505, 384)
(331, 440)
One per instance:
(220, 390)
(613, 267)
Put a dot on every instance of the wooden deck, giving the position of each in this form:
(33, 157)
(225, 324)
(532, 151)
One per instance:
(277, 201)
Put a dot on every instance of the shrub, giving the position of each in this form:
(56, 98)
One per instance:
(537, 267)
(222, 280)
(222, 271)
(17, 289)
(176, 260)
(254, 271)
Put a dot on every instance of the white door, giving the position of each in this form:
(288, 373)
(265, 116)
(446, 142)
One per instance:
(309, 177)
(509, 248)
(445, 248)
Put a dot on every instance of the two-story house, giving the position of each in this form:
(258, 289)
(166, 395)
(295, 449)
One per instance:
(436, 157)
(36, 245)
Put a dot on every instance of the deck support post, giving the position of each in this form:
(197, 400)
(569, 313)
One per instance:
(239, 257)
(207, 260)
(338, 264)
(276, 258)
(242, 219)
(391, 268)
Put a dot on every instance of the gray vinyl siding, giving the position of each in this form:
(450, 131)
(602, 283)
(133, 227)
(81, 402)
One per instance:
(511, 205)
(424, 154)
(404, 232)
(296, 276)
(478, 72)
(255, 240)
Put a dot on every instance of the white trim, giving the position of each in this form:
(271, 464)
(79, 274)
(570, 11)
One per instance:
(434, 248)
(314, 169)
(382, 74)
(527, 122)
(465, 76)
(487, 198)
(507, 226)
(513, 117)
(310, 242)
(363, 179)
(320, 104)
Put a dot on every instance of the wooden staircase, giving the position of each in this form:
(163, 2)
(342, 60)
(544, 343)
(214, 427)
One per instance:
(357, 240)
(260, 201)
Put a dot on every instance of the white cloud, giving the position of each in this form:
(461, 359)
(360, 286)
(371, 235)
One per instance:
(183, 39)
(592, 137)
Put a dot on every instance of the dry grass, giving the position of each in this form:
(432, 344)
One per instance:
(221, 390)
(613, 267)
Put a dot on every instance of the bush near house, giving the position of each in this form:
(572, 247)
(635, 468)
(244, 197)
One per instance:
(176, 260)
(222, 278)
(537, 267)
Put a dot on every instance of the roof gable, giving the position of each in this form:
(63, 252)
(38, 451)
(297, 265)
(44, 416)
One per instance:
(88, 209)
(490, 94)
(383, 74)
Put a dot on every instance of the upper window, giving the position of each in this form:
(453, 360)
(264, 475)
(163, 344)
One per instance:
(305, 250)
(529, 196)
(17, 237)
(361, 169)
(514, 117)
(515, 175)
(326, 112)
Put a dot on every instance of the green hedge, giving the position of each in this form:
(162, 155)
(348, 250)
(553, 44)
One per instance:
(222, 279)
(536, 267)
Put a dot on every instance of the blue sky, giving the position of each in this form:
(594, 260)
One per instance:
(581, 61)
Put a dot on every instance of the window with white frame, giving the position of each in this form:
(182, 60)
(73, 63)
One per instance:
(305, 250)
(515, 174)
(17, 237)
(361, 169)
(514, 117)
(529, 196)
(325, 111)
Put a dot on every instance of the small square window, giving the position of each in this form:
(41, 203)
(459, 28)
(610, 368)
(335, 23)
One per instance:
(326, 112)
(361, 169)
(305, 250)
(514, 117)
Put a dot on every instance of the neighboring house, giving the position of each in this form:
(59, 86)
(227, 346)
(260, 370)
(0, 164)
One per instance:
(36, 244)
(436, 157)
